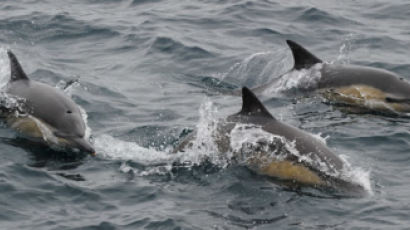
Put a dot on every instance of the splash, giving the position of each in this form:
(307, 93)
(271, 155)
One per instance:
(68, 87)
(304, 79)
(320, 138)
(202, 147)
(258, 68)
(356, 175)
(204, 141)
(345, 49)
(11, 104)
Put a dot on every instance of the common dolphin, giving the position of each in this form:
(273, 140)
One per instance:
(46, 114)
(291, 155)
(362, 86)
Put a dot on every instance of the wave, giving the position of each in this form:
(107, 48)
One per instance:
(398, 11)
(40, 28)
(178, 50)
(320, 16)
(140, 2)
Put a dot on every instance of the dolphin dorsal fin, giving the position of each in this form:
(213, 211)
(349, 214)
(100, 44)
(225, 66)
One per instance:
(303, 58)
(17, 73)
(251, 105)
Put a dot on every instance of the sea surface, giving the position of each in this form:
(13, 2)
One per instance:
(152, 71)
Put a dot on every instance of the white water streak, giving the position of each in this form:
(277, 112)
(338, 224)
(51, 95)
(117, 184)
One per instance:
(4, 68)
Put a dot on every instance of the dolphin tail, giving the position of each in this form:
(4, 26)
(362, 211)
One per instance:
(17, 73)
(251, 105)
(303, 58)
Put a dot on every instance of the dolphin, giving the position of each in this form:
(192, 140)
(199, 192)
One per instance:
(293, 155)
(46, 114)
(361, 86)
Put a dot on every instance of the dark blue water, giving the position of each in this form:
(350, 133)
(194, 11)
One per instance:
(151, 71)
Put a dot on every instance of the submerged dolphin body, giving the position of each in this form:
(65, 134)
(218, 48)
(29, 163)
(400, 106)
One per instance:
(48, 114)
(365, 87)
(307, 161)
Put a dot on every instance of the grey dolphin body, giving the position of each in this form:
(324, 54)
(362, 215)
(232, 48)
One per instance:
(353, 84)
(313, 163)
(46, 108)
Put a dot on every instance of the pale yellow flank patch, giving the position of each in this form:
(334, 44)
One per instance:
(364, 96)
(283, 169)
(34, 128)
(287, 170)
(25, 125)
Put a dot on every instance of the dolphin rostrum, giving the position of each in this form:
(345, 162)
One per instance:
(48, 115)
(281, 151)
(365, 87)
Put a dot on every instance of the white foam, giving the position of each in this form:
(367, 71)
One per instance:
(111, 148)
(246, 138)
(319, 137)
(84, 115)
(356, 174)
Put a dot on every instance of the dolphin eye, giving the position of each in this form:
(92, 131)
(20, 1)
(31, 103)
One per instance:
(69, 111)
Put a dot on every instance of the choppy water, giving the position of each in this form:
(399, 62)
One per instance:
(150, 71)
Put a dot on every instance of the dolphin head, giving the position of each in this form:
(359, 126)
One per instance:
(53, 110)
(63, 117)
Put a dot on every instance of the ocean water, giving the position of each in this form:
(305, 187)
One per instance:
(152, 71)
